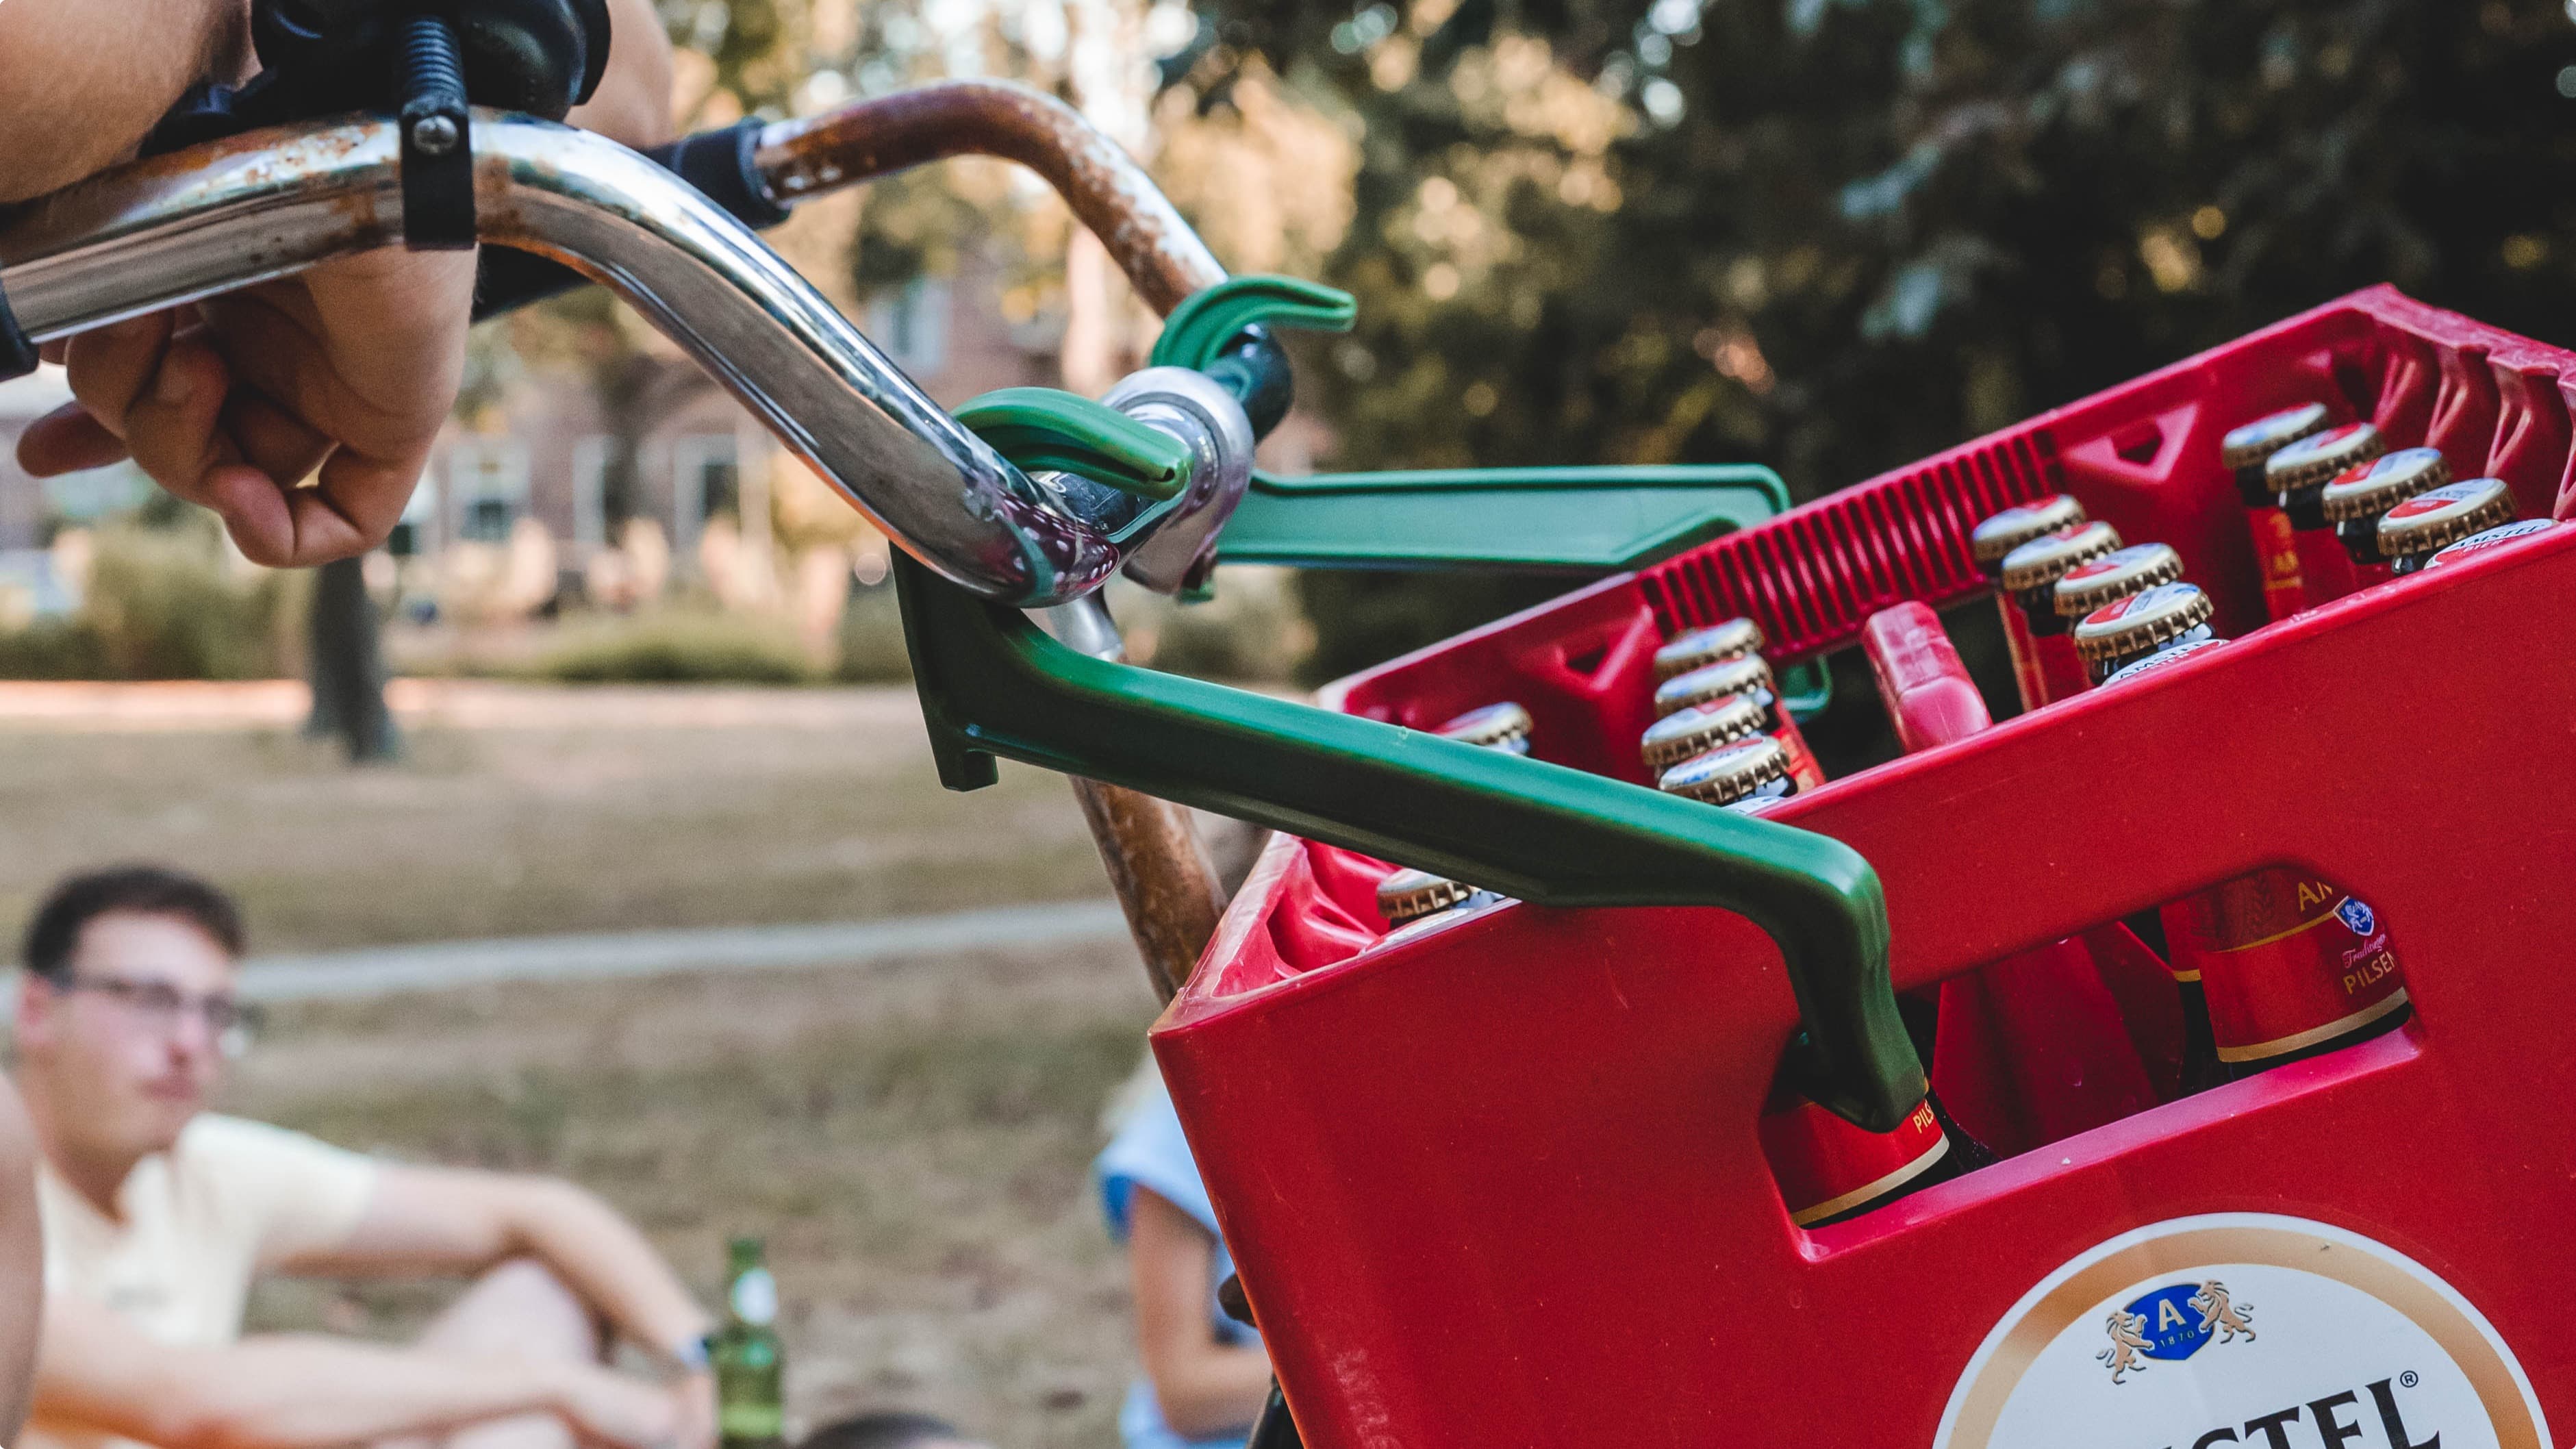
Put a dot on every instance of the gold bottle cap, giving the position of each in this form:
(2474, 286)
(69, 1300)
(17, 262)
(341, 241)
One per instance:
(1724, 776)
(1500, 726)
(1726, 639)
(1741, 675)
(2044, 560)
(1410, 893)
(2260, 439)
(2314, 460)
(1686, 732)
(2115, 575)
(2015, 526)
(2141, 621)
(2440, 517)
(2478, 543)
(2382, 483)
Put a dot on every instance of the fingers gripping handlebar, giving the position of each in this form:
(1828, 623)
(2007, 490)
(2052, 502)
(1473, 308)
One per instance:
(177, 228)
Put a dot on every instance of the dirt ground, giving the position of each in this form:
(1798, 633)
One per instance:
(911, 1137)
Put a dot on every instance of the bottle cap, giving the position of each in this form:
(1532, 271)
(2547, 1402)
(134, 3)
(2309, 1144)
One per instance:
(2141, 621)
(1686, 732)
(2314, 460)
(2044, 560)
(1726, 639)
(2439, 517)
(1724, 776)
(2478, 543)
(2115, 575)
(1503, 726)
(2382, 483)
(1410, 893)
(2015, 526)
(2260, 439)
(1741, 675)
(2167, 659)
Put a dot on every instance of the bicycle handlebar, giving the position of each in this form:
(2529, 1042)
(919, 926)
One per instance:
(177, 228)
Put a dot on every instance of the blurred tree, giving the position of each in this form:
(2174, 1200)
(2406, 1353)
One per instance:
(1833, 235)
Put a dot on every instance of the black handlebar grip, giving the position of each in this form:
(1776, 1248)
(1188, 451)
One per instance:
(717, 162)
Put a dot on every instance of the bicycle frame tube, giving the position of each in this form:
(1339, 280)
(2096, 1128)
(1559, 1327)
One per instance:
(186, 226)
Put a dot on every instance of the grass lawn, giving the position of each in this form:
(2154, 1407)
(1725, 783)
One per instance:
(911, 1137)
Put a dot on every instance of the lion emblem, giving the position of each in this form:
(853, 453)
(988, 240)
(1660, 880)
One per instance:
(2218, 1312)
(2128, 1340)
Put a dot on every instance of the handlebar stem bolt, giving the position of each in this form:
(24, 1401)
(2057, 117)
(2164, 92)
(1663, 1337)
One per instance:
(433, 135)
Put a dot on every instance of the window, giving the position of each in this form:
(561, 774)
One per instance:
(590, 490)
(910, 323)
(704, 483)
(488, 479)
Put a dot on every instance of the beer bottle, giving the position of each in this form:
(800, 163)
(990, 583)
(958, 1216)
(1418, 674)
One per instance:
(1749, 775)
(1988, 543)
(2299, 473)
(2114, 576)
(1504, 726)
(1747, 676)
(1698, 728)
(2149, 622)
(1692, 648)
(2030, 574)
(2359, 497)
(750, 1407)
(1415, 901)
(2478, 543)
(2287, 965)
(2244, 451)
(2431, 521)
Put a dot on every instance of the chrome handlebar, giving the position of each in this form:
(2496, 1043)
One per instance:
(177, 228)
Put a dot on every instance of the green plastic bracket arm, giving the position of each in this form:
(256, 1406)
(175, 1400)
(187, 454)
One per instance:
(1198, 329)
(1572, 520)
(1044, 428)
(994, 686)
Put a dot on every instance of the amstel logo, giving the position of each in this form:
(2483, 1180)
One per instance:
(2152, 1341)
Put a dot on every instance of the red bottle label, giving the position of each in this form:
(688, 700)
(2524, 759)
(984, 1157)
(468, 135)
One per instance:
(2325, 570)
(2276, 551)
(2025, 654)
(1827, 1166)
(2286, 961)
(1802, 761)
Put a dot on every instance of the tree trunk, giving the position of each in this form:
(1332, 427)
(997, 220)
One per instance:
(347, 666)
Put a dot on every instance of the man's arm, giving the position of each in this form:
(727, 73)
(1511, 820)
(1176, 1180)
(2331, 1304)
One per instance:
(22, 1264)
(81, 81)
(313, 1393)
(444, 1220)
(1204, 1386)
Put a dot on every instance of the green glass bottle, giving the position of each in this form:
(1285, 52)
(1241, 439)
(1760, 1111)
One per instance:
(750, 1410)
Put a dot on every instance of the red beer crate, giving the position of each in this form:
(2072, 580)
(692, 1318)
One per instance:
(1500, 1183)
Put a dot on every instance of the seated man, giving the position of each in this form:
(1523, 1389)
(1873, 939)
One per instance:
(158, 1214)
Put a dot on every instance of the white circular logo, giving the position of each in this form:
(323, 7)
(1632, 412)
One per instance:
(2243, 1331)
(755, 1297)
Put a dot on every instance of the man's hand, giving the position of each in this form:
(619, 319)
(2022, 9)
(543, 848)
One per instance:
(610, 1411)
(340, 375)
(231, 404)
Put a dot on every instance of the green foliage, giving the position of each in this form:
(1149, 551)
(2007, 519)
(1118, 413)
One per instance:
(1835, 235)
(164, 604)
(675, 646)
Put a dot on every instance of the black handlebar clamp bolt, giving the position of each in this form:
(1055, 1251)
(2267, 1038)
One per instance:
(437, 139)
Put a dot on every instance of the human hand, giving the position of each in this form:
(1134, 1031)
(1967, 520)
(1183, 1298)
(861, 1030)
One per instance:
(608, 1410)
(231, 403)
(696, 1393)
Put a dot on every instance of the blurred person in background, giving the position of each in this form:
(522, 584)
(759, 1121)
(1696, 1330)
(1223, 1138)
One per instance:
(1205, 1375)
(890, 1429)
(342, 373)
(158, 1215)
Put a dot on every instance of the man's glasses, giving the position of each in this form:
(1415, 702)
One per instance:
(158, 1004)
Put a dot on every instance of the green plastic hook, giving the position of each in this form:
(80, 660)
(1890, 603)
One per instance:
(1044, 428)
(1198, 329)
